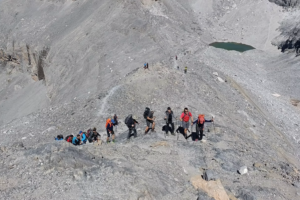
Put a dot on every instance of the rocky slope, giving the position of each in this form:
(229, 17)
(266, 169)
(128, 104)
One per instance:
(67, 65)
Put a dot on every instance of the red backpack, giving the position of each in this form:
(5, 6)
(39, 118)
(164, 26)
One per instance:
(201, 119)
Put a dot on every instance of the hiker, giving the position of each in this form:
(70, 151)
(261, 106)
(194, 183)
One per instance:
(185, 70)
(200, 125)
(110, 130)
(185, 118)
(178, 67)
(131, 122)
(83, 137)
(169, 120)
(69, 138)
(148, 115)
(145, 65)
(115, 120)
(94, 136)
(76, 140)
(59, 137)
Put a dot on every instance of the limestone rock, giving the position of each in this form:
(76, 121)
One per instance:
(243, 170)
(220, 80)
(213, 189)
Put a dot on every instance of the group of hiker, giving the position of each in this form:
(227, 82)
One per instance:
(146, 66)
(186, 119)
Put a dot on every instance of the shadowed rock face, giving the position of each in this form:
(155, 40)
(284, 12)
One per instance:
(66, 66)
(286, 3)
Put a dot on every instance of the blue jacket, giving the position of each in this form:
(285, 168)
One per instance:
(75, 141)
(83, 137)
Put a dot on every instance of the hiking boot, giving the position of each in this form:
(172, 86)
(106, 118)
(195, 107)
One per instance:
(173, 134)
(107, 142)
(113, 141)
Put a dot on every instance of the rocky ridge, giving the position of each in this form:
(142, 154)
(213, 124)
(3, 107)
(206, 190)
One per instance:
(81, 62)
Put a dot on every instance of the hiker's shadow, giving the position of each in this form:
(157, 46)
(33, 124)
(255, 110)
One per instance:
(180, 130)
(165, 128)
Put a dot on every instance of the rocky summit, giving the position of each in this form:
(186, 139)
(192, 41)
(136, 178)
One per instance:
(68, 65)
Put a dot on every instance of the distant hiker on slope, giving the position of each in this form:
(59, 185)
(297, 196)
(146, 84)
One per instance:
(110, 130)
(169, 120)
(83, 137)
(148, 115)
(115, 118)
(185, 70)
(94, 136)
(185, 118)
(176, 57)
(200, 125)
(76, 140)
(131, 122)
(59, 137)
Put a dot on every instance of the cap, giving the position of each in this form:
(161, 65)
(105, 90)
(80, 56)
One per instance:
(80, 132)
(134, 117)
(169, 108)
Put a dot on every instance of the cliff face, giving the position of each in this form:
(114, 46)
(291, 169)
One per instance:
(67, 65)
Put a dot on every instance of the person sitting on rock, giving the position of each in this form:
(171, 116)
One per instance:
(200, 125)
(94, 136)
(59, 137)
(76, 140)
(83, 137)
(110, 130)
(150, 122)
(131, 124)
(169, 120)
(185, 118)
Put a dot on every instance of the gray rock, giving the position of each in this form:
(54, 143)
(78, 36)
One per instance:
(18, 145)
(209, 175)
(246, 195)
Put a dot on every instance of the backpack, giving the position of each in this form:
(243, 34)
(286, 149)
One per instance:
(60, 137)
(128, 119)
(89, 132)
(68, 137)
(201, 119)
(146, 112)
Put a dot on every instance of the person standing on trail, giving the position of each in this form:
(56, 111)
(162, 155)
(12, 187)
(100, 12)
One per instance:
(131, 122)
(110, 131)
(185, 119)
(169, 120)
(185, 69)
(148, 115)
(176, 57)
(200, 125)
